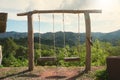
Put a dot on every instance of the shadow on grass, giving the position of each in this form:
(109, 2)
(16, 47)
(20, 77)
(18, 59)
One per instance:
(77, 76)
(20, 74)
(26, 74)
(63, 77)
(55, 77)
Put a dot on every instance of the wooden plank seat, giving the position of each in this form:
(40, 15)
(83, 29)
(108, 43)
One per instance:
(47, 59)
(71, 59)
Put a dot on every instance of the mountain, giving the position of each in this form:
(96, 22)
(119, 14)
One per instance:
(70, 37)
(13, 34)
(111, 36)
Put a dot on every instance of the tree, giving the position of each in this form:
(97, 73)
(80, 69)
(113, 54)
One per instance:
(9, 47)
(99, 54)
(21, 52)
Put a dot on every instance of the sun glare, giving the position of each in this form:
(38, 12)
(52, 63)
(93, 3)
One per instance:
(105, 4)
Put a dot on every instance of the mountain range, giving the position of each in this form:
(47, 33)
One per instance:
(69, 36)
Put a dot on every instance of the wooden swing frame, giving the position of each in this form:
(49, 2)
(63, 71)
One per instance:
(31, 35)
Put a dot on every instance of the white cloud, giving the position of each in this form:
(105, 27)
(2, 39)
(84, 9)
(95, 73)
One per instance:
(13, 5)
(19, 6)
(43, 4)
(107, 21)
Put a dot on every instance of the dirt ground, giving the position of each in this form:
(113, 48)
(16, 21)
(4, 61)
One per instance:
(47, 73)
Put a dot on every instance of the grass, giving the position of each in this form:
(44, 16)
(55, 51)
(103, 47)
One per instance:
(101, 75)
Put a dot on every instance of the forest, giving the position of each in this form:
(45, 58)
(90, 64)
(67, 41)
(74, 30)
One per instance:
(15, 50)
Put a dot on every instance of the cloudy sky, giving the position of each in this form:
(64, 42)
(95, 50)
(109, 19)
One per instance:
(107, 21)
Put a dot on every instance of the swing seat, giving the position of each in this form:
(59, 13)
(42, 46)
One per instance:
(67, 59)
(47, 59)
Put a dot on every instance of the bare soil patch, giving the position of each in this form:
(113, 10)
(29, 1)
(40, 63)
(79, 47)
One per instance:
(47, 73)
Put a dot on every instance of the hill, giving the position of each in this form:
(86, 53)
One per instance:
(70, 37)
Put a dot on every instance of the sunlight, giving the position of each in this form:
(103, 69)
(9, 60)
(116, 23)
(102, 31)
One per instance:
(106, 5)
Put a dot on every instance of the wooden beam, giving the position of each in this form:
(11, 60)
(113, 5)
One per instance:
(59, 11)
(1, 55)
(88, 45)
(30, 42)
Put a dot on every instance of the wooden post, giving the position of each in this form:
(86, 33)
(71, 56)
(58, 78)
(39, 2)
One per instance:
(88, 46)
(30, 42)
(3, 22)
(0, 54)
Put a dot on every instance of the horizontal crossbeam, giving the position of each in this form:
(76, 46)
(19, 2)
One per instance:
(59, 11)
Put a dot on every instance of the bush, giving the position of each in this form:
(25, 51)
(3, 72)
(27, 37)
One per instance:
(99, 54)
(101, 75)
(14, 62)
(1, 66)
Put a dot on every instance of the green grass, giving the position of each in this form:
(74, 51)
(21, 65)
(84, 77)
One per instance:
(101, 75)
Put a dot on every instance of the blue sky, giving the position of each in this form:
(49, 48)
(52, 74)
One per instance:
(107, 21)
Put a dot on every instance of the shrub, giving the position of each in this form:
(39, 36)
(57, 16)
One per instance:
(1, 66)
(101, 75)
(13, 62)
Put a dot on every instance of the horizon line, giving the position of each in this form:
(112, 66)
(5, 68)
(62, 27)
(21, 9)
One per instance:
(66, 31)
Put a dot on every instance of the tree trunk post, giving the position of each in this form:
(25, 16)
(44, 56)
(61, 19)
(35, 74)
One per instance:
(0, 55)
(30, 43)
(88, 45)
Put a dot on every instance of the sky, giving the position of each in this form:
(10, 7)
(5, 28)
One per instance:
(105, 22)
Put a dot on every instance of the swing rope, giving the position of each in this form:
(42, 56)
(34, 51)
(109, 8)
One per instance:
(78, 34)
(63, 31)
(67, 58)
(47, 58)
(54, 36)
(39, 36)
(65, 53)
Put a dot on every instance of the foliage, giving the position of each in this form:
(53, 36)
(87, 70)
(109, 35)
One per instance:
(1, 66)
(11, 47)
(21, 52)
(15, 52)
(14, 62)
(115, 51)
(99, 53)
(15, 55)
(101, 75)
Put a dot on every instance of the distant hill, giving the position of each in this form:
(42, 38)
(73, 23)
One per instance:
(71, 37)
(13, 34)
(111, 36)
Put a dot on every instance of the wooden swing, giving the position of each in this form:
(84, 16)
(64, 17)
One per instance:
(77, 58)
(46, 58)
(31, 35)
